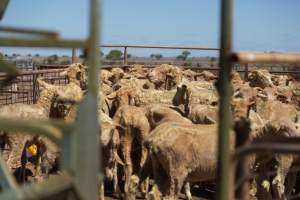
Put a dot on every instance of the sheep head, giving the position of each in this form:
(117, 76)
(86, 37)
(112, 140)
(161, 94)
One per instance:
(260, 78)
(76, 73)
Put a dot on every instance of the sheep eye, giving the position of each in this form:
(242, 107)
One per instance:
(78, 75)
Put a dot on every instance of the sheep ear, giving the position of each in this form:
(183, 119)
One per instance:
(118, 159)
(43, 84)
(112, 96)
(64, 73)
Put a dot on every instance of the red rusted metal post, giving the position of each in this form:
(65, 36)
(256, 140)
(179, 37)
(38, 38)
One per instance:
(73, 55)
(125, 56)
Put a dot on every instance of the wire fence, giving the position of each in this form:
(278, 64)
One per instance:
(24, 88)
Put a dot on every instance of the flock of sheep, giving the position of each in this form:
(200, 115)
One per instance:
(159, 129)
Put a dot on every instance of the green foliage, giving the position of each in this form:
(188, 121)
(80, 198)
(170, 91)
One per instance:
(188, 63)
(114, 55)
(180, 57)
(52, 59)
(186, 53)
(156, 56)
(183, 56)
(213, 59)
(101, 54)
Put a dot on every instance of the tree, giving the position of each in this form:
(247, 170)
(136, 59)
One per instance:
(101, 54)
(180, 57)
(186, 54)
(114, 55)
(52, 59)
(37, 55)
(156, 56)
(212, 60)
(183, 55)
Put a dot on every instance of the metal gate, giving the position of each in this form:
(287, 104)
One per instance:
(80, 158)
(225, 176)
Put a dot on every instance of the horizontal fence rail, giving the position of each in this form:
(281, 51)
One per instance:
(162, 47)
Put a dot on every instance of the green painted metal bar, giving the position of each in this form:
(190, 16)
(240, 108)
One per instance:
(224, 89)
(49, 189)
(6, 179)
(83, 161)
(37, 127)
(35, 32)
(3, 6)
(47, 43)
(10, 73)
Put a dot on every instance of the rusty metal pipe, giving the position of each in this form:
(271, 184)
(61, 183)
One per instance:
(252, 57)
(224, 173)
(162, 47)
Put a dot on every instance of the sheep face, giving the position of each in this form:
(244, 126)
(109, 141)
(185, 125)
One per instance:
(243, 99)
(260, 78)
(77, 73)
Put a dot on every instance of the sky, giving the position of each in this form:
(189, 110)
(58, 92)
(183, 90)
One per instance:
(259, 25)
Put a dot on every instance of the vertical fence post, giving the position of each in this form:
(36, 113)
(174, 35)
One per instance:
(73, 55)
(242, 132)
(34, 88)
(246, 72)
(125, 56)
(224, 177)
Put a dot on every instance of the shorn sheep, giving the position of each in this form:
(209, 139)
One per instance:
(39, 111)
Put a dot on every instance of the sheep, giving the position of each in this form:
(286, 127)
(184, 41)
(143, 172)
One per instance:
(203, 114)
(136, 128)
(71, 93)
(105, 77)
(133, 82)
(138, 71)
(137, 123)
(165, 76)
(206, 76)
(76, 74)
(260, 78)
(189, 75)
(282, 163)
(40, 110)
(117, 74)
(281, 80)
(272, 115)
(141, 97)
(197, 98)
(110, 142)
(182, 152)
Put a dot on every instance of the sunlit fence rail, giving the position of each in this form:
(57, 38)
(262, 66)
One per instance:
(24, 89)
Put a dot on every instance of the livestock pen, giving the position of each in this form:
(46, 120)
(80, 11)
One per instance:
(79, 160)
